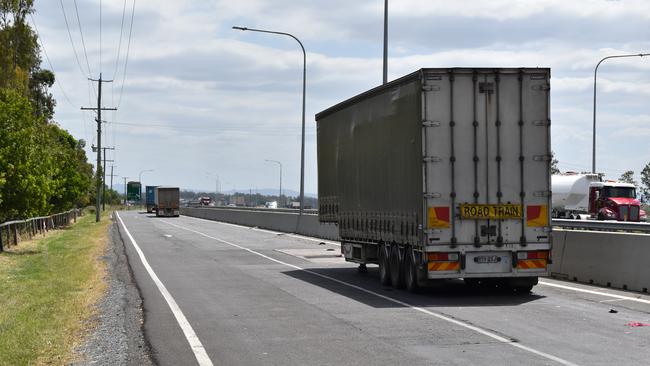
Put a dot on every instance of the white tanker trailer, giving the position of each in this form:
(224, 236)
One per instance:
(571, 195)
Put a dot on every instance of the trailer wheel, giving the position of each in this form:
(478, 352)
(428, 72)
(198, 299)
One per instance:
(384, 266)
(411, 272)
(396, 267)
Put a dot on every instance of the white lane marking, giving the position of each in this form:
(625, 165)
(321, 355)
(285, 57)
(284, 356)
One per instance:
(600, 293)
(387, 298)
(611, 300)
(194, 341)
(318, 240)
(541, 282)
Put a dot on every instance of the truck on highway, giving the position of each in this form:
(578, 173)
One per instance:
(613, 200)
(205, 201)
(167, 201)
(442, 174)
(150, 198)
(585, 196)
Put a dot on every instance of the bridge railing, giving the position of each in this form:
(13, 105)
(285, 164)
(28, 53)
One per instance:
(11, 232)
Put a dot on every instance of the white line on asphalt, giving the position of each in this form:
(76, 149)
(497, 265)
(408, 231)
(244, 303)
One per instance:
(541, 282)
(621, 297)
(387, 298)
(194, 341)
(318, 240)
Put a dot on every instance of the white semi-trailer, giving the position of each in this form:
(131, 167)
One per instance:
(443, 173)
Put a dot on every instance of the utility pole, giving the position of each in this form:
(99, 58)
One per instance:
(99, 110)
(104, 177)
(125, 202)
(112, 175)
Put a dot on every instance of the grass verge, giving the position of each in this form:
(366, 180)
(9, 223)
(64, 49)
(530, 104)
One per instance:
(48, 291)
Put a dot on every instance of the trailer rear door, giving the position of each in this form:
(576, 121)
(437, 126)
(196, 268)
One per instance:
(486, 147)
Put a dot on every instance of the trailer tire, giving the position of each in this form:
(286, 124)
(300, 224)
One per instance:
(384, 266)
(411, 272)
(396, 267)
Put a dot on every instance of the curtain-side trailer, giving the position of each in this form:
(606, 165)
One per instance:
(443, 173)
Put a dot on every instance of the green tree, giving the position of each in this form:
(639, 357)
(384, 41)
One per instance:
(42, 167)
(113, 197)
(628, 177)
(72, 176)
(554, 163)
(20, 58)
(645, 183)
(24, 162)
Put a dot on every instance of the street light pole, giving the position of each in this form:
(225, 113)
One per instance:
(593, 151)
(385, 41)
(280, 164)
(140, 180)
(304, 83)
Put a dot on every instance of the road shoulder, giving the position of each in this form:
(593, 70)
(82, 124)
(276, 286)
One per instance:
(118, 338)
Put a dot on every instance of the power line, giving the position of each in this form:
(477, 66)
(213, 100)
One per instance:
(74, 49)
(126, 59)
(267, 132)
(119, 45)
(40, 41)
(115, 70)
(83, 42)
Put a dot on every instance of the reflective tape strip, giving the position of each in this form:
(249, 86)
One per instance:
(444, 266)
(531, 263)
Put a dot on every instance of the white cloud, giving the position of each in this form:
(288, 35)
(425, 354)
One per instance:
(225, 100)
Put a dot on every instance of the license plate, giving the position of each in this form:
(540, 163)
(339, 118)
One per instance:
(487, 259)
(487, 212)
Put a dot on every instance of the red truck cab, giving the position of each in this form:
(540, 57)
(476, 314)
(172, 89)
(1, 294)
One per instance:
(614, 201)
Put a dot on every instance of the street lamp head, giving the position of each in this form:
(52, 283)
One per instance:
(240, 28)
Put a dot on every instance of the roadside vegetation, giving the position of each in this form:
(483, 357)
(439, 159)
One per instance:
(49, 290)
(43, 169)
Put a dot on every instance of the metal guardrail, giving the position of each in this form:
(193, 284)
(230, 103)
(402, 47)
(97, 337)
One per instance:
(11, 231)
(629, 227)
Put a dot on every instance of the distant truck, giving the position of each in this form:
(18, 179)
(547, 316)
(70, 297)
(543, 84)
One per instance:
(582, 196)
(440, 174)
(205, 201)
(150, 198)
(167, 201)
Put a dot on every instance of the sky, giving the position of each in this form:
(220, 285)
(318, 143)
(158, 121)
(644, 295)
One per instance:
(201, 103)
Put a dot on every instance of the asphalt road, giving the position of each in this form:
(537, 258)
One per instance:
(243, 296)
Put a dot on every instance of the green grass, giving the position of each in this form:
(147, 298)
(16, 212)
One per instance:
(48, 291)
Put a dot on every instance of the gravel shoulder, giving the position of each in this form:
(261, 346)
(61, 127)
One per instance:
(117, 337)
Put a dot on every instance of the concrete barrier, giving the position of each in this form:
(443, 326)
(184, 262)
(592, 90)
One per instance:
(266, 219)
(618, 260)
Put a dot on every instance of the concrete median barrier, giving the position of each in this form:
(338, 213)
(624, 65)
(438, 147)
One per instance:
(618, 260)
(610, 259)
(267, 219)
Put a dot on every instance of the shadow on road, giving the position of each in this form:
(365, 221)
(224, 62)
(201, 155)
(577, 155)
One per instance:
(452, 293)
